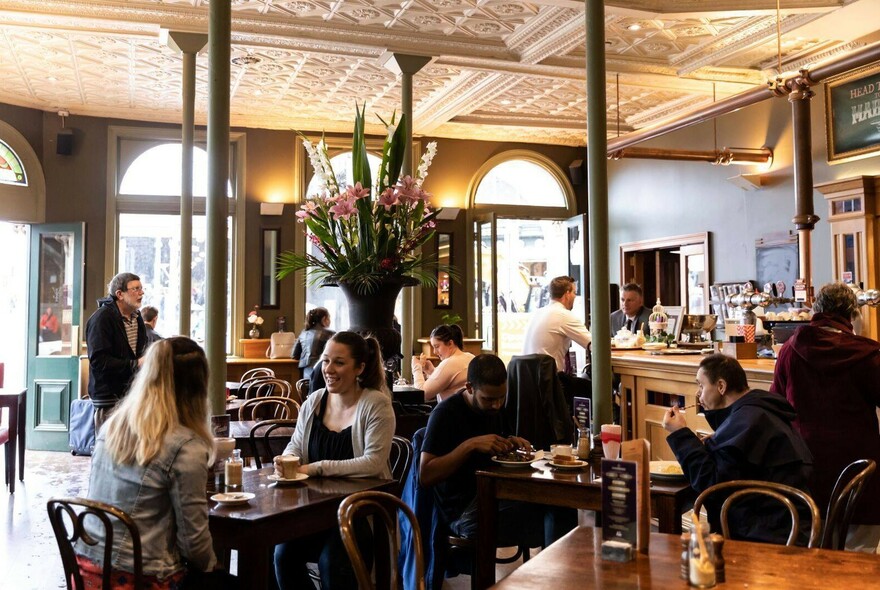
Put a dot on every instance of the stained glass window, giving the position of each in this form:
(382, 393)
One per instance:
(11, 169)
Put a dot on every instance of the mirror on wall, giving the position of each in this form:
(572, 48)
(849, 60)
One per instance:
(271, 247)
(444, 258)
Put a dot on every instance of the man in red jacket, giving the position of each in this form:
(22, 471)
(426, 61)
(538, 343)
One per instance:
(832, 378)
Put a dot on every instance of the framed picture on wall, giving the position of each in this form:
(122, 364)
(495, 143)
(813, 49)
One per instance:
(852, 119)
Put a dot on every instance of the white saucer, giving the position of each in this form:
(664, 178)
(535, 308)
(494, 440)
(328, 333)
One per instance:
(575, 465)
(233, 498)
(282, 480)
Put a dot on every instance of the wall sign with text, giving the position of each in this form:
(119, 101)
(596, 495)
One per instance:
(852, 114)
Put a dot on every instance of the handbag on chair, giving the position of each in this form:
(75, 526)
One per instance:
(281, 345)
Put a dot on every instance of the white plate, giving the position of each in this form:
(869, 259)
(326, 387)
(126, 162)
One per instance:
(538, 455)
(576, 465)
(654, 345)
(233, 498)
(282, 480)
(657, 469)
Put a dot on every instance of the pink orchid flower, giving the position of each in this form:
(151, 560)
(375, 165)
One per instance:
(356, 192)
(388, 199)
(343, 209)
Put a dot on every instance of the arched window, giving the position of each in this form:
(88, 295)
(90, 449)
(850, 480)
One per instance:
(147, 203)
(520, 182)
(11, 168)
(342, 167)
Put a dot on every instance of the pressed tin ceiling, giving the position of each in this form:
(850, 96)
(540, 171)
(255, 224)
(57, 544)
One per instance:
(501, 70)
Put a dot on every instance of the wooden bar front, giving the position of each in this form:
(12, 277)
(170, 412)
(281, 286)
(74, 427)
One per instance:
(649, 384)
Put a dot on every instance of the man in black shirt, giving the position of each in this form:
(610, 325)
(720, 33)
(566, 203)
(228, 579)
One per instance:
(463, 434)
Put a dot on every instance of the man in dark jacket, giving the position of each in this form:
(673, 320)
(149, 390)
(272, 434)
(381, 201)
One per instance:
(832, 378)
(116, 337)
(753, 439)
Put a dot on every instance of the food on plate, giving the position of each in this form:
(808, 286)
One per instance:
(626, 339)
(565, 459)
(516, 456)
(671, 469)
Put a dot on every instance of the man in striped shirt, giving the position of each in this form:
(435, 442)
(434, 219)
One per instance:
(117, 338)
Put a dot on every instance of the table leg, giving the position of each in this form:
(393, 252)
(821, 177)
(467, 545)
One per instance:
(487, 513)
(22, 430)
(14, 427)
(254, 564)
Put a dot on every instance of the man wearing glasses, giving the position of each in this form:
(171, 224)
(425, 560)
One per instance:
(117, 338)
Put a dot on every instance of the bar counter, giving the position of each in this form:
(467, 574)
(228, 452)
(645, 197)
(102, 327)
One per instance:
(650, 383)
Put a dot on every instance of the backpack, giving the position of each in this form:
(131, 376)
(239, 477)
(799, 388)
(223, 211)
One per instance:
(281, 345)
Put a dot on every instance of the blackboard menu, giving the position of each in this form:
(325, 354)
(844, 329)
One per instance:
(852, 110)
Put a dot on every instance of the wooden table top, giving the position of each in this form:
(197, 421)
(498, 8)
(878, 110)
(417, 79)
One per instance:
(641, 358)
(575, 478)
(574, 562)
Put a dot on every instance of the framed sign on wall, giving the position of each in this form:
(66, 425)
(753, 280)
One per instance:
(852, 114)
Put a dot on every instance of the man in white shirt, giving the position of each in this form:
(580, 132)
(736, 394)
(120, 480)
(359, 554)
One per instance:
(554, 327)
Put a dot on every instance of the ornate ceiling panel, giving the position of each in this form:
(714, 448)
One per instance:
(501, 69)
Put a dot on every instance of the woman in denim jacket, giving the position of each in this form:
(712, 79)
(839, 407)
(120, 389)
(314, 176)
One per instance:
(312, 340)
(151, 461)
(344, 430)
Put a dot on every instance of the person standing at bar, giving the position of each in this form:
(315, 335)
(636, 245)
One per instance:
(151, 317)
(117, 338)
(632, 315)
(312, 340)
(832, 378)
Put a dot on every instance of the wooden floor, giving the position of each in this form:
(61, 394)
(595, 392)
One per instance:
(29, 558)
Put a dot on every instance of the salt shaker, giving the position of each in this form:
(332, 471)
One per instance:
(718, 546)
(233, 470)
(583, 446)
(685, 556)
(701, 557)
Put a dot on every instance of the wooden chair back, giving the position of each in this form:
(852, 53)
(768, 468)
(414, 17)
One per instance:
(844, 498)
(272, 387)
(259, 372)
(248, 389)
(780, 492)
(400, 460)
(302, 388)
(262, 408)
(262, 432)
(101, 517)
(384, 508)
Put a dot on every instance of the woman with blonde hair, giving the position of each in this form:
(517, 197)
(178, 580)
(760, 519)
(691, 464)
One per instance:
(344, 430)
(151, 460)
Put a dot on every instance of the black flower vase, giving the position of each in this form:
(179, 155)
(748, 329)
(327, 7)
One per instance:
(373, 313)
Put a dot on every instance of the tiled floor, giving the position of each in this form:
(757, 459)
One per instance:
(29, 558)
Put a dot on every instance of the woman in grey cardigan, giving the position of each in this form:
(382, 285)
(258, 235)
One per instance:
(344, 430)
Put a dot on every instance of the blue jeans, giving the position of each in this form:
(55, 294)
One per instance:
(520, 523)
(325, 548)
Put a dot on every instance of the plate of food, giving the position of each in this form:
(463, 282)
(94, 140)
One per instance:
(284, 480)
(233, 498)
(567, 462)
(669, 470)
(518, 458)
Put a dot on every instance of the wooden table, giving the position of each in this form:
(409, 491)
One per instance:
(278, 514)
(574, 562)
(571, 489)
(16, 403)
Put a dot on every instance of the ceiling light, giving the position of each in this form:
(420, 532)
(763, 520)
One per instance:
(246, 60)
(506, 101)
(634, 27)
(52, 79)
(258, 92)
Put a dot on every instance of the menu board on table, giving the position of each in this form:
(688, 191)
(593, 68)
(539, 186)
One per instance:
(619, 518)
(583, 411)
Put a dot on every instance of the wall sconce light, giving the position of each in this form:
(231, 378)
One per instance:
(271, 208)
(448, 213)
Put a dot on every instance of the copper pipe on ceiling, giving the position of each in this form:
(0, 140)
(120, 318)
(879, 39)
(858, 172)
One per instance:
(724, 156)
(751, 96)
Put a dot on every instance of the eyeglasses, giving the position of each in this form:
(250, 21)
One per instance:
(136, 289)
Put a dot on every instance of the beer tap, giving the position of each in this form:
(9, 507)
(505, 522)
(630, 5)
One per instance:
(870, 297)
(748, 299)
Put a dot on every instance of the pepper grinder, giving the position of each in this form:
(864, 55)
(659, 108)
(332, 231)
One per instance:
(718, 545)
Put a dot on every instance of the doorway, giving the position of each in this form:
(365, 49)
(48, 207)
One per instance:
(14, 239)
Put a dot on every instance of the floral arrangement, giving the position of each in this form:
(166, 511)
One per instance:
(368, 232)
(254, 317)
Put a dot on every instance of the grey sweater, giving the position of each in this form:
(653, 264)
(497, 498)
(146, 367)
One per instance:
(371, 434)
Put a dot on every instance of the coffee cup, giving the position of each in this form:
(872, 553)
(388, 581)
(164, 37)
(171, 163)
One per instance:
(223, 447)
(560, 450)
(287, 466)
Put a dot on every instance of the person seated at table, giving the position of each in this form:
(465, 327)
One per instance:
(463, 434)
(451, 374)
(312, 340)
(754, 439)
(152, 460)
(343, 430)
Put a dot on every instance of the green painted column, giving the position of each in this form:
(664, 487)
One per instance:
(216, 304)
(597, 171)
(189, 44)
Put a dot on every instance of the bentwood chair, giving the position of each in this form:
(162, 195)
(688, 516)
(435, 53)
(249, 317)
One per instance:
(100, 517)
(262, 408)
(780, 492)
(400, 460)
(272, 387)
(384, 508)
(262, 431)
(257, 373)
(844, 498)
(302, 388)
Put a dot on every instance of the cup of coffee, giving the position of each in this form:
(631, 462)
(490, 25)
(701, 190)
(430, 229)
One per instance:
(560, 451)
(287, 466)
(223, 448)
(611, 440)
